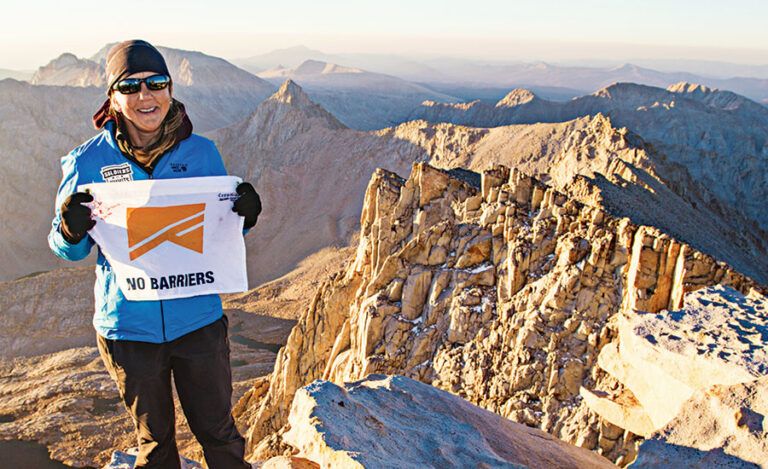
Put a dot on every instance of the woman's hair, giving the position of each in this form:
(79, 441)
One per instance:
(168, 134)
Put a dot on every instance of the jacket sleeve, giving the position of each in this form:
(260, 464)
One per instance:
(218, 169)
(60, 246)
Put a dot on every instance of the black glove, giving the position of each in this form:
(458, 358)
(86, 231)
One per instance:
(248, 205)
(76, 218)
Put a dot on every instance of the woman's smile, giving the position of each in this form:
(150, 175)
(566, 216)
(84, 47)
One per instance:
(146, 117)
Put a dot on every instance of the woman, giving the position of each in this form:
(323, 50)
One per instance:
(146, 134)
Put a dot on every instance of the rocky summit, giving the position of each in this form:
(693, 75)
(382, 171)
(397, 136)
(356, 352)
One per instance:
(494, 287)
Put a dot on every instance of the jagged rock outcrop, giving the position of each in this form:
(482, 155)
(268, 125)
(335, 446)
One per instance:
(496, 288)
(693, 378)
(68, 70)
(396, 422)
(596, 163)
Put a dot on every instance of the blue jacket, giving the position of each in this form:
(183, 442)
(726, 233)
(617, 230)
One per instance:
(100, 160)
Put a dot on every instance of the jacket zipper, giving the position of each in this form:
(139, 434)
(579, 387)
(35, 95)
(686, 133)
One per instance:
(162, 320)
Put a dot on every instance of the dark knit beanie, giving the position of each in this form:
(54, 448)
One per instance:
(129, 57)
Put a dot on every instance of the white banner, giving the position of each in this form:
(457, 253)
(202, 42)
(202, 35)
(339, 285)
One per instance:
(170, 238)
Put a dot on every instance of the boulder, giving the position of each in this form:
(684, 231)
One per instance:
(718, 337)
(394, 421)
(695, 381)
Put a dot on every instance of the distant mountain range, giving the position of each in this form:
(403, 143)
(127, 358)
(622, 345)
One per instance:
(449, 74)
(360, 99)
(469, 79)
(294, 56)
(702, 129)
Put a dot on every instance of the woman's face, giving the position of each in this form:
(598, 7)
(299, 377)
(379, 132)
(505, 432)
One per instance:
(146, 109)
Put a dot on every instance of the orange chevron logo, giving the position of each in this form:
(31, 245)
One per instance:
(149, 227)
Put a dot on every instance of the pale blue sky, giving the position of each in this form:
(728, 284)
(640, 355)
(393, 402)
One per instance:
(33, 32)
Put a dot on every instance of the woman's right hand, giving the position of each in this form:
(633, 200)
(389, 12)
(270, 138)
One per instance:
(75, 217)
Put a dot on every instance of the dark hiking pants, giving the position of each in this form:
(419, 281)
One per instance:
(199, 363)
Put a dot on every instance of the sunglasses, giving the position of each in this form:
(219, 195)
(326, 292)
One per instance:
(133, 85)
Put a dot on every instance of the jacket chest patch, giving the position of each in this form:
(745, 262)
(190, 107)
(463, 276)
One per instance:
(117, 172)
(179, 167)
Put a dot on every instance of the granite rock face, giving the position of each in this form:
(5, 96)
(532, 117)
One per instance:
(396, 422)
(492, 286)
(596, 161)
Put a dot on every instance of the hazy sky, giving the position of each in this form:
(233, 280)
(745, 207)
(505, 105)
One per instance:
(34, 32)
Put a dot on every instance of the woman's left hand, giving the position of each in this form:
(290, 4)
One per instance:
(248, 205)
